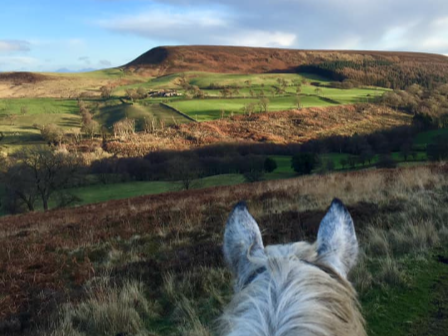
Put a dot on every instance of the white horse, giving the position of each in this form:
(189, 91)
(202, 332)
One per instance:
(296, 289)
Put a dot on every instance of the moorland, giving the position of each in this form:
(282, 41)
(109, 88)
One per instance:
(115, 184)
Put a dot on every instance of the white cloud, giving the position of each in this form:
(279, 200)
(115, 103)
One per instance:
(8, 46)
(85, 60)
(323, 24)
(18, 63)
(259, 39)
(197, 27)
(105, 63)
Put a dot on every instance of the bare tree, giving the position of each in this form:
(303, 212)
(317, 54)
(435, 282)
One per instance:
(263, 104)
(187, 173)
(131, 94)
(52, 133)
(24, 110)
(142, 93)
(48, 171)
(91, 129)
(124, 128)
(298, 102)
(20, 186)
(39, 173)
(106, 91)
(249, 108)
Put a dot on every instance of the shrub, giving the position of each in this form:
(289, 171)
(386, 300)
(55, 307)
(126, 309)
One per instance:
(386, 161)
(270, 165)
(304, 163)
(253, 176)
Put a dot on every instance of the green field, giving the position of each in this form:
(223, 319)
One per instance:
(211, 109)
(425, 138)
(104, 192)
(109, 115)
(19, 127)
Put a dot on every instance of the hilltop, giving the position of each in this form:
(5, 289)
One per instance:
(371, 67)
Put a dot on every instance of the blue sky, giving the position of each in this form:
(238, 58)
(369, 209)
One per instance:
(44, 35)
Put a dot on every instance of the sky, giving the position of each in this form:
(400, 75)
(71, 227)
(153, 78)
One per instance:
(75, 35)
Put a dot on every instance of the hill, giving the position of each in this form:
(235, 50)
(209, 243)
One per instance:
(153, 265)
(293, 126)
(381, 68)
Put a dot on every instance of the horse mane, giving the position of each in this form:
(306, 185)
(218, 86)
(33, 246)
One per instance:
(294, 296)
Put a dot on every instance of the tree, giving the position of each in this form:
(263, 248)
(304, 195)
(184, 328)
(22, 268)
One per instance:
(318, 91)
(298, 102)
(252, 93)
(125, 128)
(304, 163)
(187, 172)
(438, 149)
(91, 129)
(106, 91)
(182, 81)
(386, 161)
(270, 165)
(142, 93)
(253, 175)
(264, 104)
(24, 110)
(249, 108)
(52, 133)
(43, 172)
(131, 94)
(406, 150)
(352, 161)
(20, 188)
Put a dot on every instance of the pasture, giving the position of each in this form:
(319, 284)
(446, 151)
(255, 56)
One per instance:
(19, 115)
(108, 115)
(98, 192)
(18, 118)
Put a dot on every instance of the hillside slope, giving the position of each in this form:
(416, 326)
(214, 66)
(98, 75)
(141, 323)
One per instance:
(294, 126)
(370, 67)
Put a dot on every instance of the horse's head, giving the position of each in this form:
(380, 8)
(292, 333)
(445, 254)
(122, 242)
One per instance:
(292, 289)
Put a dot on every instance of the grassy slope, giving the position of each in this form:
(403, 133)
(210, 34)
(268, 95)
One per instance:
(409, 310)
(20, 130)
(64, 112)
(210, 109)
(111, 114)
(171, 246)
(102, 193)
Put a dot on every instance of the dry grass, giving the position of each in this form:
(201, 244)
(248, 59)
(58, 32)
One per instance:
(295, 126)
(108, 310)
(171, 244)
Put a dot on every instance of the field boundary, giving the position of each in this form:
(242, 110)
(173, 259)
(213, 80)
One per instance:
(178, 112)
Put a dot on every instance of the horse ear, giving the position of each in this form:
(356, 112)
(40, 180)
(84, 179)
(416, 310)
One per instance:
(242, 238)
(337, 245)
